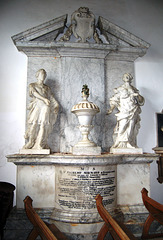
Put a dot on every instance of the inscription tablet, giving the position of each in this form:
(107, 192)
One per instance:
(78, 186)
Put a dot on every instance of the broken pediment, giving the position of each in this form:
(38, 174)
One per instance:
(64, 38)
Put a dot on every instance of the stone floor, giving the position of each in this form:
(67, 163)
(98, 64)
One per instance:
(18, 226)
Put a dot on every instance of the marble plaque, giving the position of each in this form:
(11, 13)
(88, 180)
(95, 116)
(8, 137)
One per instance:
(77, 187)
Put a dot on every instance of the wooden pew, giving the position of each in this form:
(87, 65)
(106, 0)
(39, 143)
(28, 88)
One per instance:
(44, 230)
(155, 213)
(117, 229)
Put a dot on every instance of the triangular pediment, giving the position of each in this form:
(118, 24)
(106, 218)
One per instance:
(80, 37)
(50, 30)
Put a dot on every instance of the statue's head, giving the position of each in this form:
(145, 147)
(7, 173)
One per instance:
(127, 77)
(41, 72)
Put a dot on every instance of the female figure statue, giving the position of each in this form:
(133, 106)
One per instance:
(43, 110)
(128, 101)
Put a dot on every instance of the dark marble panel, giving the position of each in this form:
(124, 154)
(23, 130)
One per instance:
(160, 129)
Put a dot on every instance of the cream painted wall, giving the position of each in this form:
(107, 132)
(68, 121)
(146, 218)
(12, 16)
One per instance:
(144, 18)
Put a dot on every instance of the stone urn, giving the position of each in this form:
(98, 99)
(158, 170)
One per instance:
(85, 111)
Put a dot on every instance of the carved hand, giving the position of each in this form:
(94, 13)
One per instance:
(47, 102)
(109, 111)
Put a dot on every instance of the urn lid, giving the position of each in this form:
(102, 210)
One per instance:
(85, 104)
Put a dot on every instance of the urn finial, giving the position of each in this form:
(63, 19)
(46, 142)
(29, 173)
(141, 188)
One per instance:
(85, 92)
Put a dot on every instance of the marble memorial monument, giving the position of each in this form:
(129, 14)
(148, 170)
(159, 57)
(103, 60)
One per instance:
(71, 64)
(73, 54)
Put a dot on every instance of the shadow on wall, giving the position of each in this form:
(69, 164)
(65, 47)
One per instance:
(147, 124)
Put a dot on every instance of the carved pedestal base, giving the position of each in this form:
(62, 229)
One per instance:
(87, 150)
(126, 150)
(67, 184)
(34, 151)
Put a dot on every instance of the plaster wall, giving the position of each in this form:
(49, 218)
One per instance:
(142, 18)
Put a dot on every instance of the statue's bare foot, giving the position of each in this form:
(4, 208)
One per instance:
(129, 145)
(37, 146)
(28, 145)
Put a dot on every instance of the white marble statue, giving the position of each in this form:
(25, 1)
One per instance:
(127, 101)
(43, 110)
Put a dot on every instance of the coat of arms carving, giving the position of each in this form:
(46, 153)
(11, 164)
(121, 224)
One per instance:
(82, 26)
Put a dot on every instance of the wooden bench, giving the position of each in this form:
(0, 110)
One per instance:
(155, 213)
(50, 232)
(117, 229)
(44, 230)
